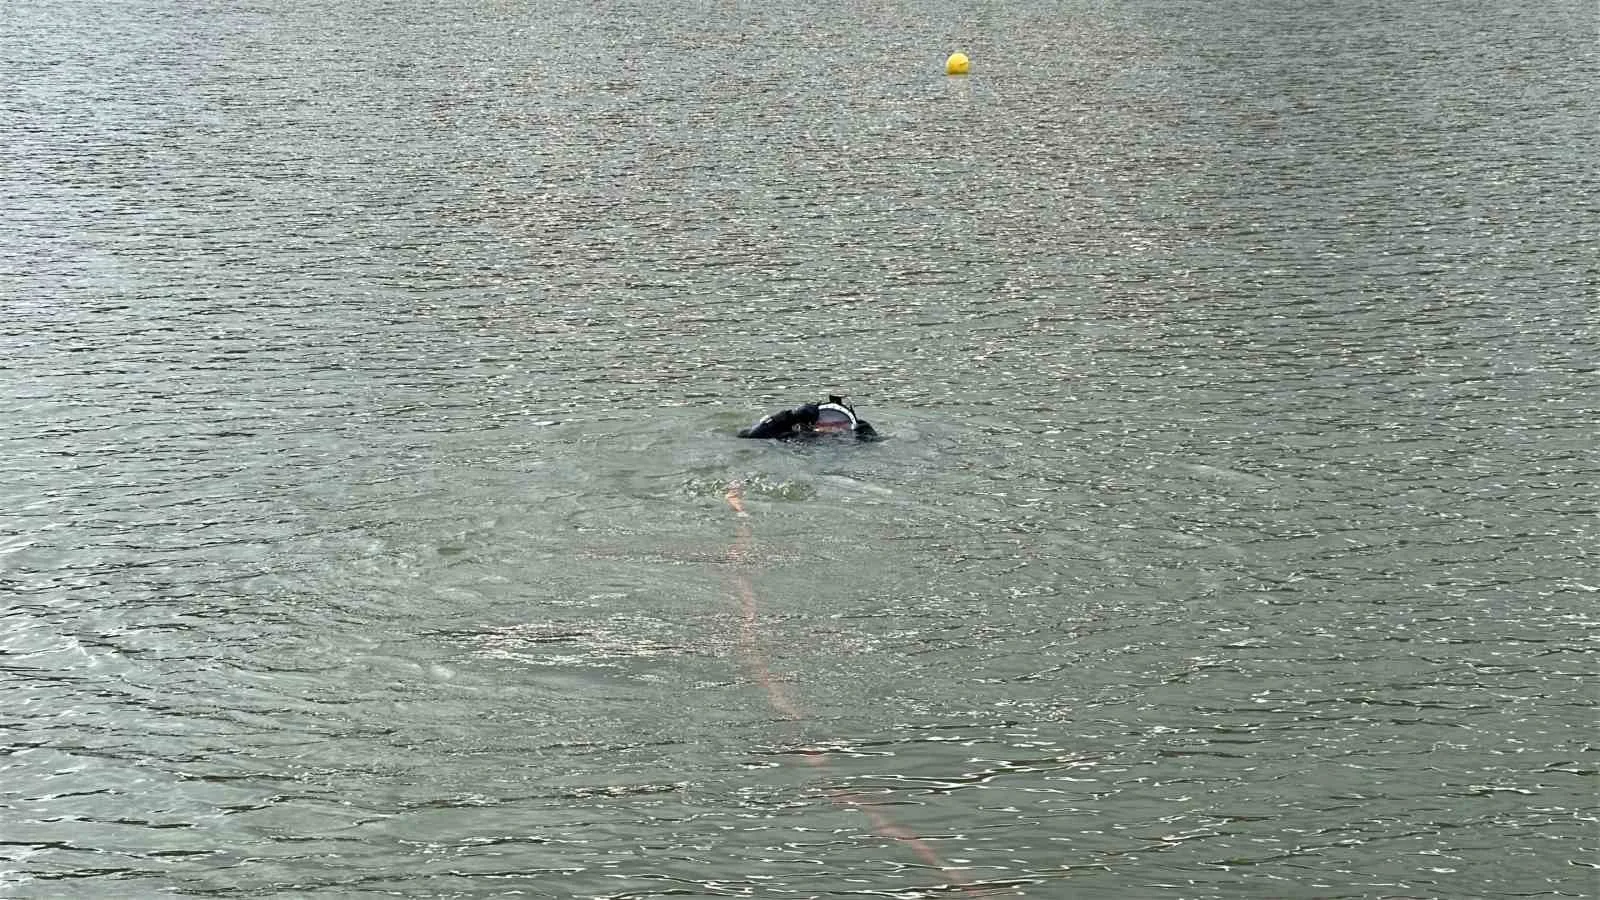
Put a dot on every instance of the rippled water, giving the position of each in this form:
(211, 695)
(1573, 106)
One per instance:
(367, 393)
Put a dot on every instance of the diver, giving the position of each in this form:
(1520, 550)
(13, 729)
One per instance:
(834, 417)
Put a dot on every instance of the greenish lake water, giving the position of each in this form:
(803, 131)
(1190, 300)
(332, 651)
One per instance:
(367, 394)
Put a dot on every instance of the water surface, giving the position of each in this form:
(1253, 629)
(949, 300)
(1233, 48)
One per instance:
(369, 376)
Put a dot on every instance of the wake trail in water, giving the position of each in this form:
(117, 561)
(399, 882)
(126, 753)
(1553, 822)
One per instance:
(741, 556)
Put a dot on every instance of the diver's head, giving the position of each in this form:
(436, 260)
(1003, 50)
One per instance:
(835, 416)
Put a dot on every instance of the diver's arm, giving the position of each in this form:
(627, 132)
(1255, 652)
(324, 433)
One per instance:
(779, 424)
(865, 431)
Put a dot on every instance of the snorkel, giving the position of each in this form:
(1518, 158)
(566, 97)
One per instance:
(835, 416)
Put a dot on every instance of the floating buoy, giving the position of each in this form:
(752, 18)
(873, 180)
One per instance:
(957, 64)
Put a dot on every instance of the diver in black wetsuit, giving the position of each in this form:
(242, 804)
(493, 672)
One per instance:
(833, 417)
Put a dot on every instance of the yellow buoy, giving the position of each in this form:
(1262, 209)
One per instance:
(957, 64)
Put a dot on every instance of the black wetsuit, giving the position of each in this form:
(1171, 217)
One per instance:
(798, 424)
